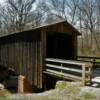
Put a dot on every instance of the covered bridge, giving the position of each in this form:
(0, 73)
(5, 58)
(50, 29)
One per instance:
(26, 51)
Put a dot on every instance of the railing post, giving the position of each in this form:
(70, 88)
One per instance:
(21, 84)
(83, 75)
(94, 62)
(61, 69)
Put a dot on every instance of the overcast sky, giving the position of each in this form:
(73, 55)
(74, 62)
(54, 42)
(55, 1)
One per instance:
(1, 1)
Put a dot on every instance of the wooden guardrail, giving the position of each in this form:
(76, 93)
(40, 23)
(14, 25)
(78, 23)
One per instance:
(72, 70)
(94, 60)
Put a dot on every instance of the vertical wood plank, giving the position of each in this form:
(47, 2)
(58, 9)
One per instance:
(33, 62)
(43, 56)
(83, 75)
(35, 69)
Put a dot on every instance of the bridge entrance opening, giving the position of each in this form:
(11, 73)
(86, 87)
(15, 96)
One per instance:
(59, 46)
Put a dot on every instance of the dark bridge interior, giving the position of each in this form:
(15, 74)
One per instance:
(59, 46)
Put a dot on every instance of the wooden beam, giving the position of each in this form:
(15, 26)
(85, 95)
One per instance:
(64, 68)
(62, 75)
(72, 62)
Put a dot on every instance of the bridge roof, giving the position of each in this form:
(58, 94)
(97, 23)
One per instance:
(66, 23)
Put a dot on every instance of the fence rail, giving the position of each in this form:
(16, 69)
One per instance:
(94, 60)
(73, 70)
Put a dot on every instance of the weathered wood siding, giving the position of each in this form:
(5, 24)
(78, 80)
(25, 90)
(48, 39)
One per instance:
(64, 29)
(26, 51)
(22, 53)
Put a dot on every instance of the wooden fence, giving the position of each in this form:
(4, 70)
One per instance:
(72, 70)
(94, 60)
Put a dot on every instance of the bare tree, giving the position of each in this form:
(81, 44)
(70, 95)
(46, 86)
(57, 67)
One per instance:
(60, 9)
(98, 14)
(53, 9)
(14, 14)
(5, 19)
(72, 6)
(88, 10)
(20, 9)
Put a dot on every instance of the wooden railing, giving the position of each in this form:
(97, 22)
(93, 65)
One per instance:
(94, 60)
(72, 70)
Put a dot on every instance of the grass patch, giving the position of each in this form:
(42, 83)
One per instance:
(86, 96)
(62, 91)
(4, 94)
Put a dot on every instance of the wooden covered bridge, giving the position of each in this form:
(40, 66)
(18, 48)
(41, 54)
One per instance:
(28, 51)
